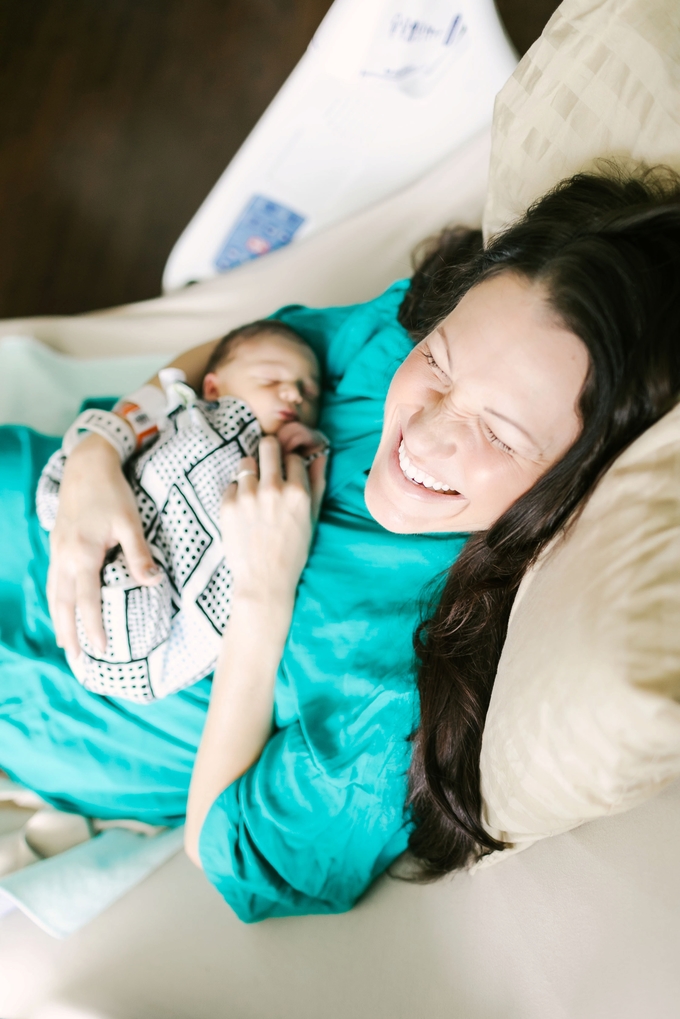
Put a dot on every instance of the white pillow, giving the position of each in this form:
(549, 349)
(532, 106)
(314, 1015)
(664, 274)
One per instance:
(602, 80)
(584, 718)
(352, 261)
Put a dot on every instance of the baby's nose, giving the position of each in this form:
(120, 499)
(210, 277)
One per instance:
(291, 393)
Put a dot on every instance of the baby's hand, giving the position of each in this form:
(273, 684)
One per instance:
(298, 438)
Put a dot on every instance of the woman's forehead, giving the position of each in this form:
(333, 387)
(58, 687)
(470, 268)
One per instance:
(507, 351)
(504, 331)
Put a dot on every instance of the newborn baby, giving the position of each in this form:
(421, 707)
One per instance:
(261, 379)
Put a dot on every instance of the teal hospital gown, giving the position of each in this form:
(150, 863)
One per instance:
(321, 813)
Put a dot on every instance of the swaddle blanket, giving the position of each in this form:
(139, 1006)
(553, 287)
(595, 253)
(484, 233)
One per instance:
(166, 637)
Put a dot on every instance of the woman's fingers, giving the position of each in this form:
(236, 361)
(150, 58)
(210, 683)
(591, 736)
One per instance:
(61, 600)
(246, 476)
(296, 472)
(89, 604)
(136, 551)
(71, 589)
(270, 461)
(244, 484)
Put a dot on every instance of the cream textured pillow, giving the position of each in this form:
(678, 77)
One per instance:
(602, 80)
(585, 714)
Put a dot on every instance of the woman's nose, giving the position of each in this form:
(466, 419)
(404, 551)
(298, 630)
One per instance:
(433, 434)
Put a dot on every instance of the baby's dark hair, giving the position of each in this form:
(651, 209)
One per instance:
(228, 344)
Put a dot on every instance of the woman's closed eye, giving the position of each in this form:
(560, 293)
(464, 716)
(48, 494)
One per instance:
(438, 371)
(495, 441)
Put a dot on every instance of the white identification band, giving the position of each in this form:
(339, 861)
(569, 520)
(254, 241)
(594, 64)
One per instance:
(105, 423)
(144, 411)
(135, 420)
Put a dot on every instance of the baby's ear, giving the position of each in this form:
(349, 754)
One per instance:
(211, 388)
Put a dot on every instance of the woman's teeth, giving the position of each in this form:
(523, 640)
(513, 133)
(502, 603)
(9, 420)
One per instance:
(420, 477)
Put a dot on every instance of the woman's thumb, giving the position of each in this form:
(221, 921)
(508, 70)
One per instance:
(138, 557)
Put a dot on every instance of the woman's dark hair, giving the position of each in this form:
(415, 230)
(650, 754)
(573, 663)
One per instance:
(606, 250)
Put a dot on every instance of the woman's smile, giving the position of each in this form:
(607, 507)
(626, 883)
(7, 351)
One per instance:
(402, 479)
(420, 477)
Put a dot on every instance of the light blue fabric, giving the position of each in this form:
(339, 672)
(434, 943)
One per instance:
(59, 383)
(67, 891)
(322, 812)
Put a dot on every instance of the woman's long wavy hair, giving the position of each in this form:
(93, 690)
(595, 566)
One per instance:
(606, 251)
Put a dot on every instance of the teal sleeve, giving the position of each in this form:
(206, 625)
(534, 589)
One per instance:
(322, 812)
(292, 836)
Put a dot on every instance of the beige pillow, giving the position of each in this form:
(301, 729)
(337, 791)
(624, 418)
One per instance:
(603, 80)
(585, 714)
(584, 719)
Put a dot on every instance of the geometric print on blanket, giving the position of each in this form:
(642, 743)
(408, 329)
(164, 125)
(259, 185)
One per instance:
(181, 537)
(163, 638)
(148, 612)
(211, 476)
(215, 598)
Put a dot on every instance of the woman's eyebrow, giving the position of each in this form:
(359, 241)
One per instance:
(514, 425)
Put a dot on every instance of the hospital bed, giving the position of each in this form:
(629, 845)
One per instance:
(579, 926)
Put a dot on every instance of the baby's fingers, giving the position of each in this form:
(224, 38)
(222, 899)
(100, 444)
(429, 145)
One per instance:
(292, 435)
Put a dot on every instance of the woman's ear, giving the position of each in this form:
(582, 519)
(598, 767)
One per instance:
(211, 387)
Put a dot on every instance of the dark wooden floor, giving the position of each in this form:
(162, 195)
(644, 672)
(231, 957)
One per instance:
(117, 117)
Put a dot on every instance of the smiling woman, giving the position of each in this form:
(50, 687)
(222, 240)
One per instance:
(479, 410)
(540, 359)
(536, 361)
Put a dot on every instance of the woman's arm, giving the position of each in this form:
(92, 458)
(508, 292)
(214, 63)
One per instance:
(97, 512)
(193, 363)
(266, 527)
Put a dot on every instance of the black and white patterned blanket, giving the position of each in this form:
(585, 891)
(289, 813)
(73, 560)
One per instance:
(163, 638)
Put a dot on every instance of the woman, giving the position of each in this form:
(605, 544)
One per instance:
(539, 360)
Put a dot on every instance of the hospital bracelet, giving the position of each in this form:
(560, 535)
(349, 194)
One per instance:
(132, 425)
(110, 426)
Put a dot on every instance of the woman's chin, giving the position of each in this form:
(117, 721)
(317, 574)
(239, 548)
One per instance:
(387, 515)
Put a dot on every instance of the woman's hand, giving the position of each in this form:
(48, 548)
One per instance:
(267, 523)
(97, 511)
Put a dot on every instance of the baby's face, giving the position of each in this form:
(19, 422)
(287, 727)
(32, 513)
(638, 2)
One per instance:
(278, 378)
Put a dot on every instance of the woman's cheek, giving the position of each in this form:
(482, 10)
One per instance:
(512, 483)
(491, 484)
